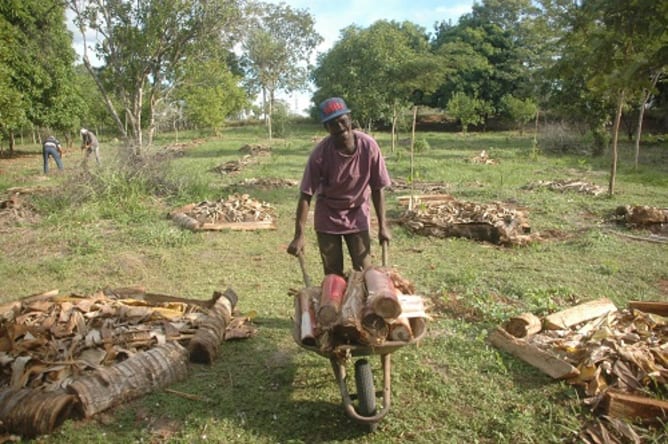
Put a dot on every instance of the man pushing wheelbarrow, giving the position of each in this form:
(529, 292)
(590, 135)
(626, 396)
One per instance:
(363, 314)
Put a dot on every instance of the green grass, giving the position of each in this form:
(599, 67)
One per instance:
(109, 229)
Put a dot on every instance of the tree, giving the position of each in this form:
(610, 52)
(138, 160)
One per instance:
(379, 70)
(277, 50)
(518, 110)
(143, 44)
(36, 68)
(611, 47)
(494, 51)
(210, 93)
(468, 110)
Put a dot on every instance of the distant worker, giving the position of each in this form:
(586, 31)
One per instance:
(346, 172)
(51, 147)
(91, 145)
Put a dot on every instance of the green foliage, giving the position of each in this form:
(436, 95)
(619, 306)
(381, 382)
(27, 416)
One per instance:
(211, 94)
(378, 69)
(519, 111)
(468, 110)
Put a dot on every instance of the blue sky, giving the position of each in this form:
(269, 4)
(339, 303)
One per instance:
(331, 16)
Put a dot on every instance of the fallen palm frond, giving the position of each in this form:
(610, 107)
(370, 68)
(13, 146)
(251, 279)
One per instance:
(66, 355)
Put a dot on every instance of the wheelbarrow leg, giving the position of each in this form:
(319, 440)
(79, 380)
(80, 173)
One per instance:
(340, 373)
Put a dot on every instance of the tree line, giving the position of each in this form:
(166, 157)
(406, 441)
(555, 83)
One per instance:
(600, 64)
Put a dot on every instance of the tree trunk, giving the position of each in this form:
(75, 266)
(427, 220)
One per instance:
(12, 142)
(647, 93)
(394, 127)
(415, 109)
(615, 143)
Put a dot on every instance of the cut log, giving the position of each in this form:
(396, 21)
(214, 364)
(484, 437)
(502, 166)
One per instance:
(524, 325)
(659, 308)
(29, 413)
(375, 326)
(331, 298)
(382, 297)
(400, 329)
(136, 376)
(307, 321)
(185, 221)
(529, 353)
(204, 346)
(580, 313)
(431, 198)
(349, 327)
(641, 409)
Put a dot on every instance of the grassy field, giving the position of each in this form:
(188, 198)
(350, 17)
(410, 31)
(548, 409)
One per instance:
(109, 229)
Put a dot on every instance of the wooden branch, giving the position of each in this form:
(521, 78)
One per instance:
(529, 353)
(239, 226)
(648, 411)
(572, 316)
(659, 308)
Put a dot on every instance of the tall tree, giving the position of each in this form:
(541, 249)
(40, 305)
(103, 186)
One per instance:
(380, 70)
(612, 47)
(36, 67)
(277, 50)
(142, 45)
(499, 48)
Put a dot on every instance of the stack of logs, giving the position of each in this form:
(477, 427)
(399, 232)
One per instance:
(370, 308)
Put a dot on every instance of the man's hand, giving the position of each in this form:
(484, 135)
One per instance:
(384, 234)
(296, 246)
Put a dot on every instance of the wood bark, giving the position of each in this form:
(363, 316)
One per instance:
(136, 376)
(29, 413)
(659, 308)
(185, 221)
(584, 312)
(523, 325)
(350, 324)
(542, 360)
(648, 411)
(204, 346)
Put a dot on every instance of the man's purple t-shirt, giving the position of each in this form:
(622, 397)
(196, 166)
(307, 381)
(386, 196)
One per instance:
(343, 182)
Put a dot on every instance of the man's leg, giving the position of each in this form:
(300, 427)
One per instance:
(97, 154)
(331, 253)
(359, 247)
(45, 154)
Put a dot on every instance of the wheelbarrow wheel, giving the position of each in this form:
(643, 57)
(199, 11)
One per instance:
(366, 394)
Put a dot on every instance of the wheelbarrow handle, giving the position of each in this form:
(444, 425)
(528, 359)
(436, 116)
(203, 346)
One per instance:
(302, 265)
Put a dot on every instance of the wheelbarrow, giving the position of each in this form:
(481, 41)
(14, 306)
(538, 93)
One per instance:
(340, 358)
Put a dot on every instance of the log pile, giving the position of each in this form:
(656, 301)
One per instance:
(445, 216)
(483, 159)
(371, 308)
(422, 187)
(641, 216)
(268, 183)
(256, 150)
(572, 185)
(618, 359)
(15, 209)
(68, 356)
(236, 212)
